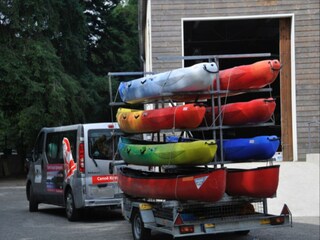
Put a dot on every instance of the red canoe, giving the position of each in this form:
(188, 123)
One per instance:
(142, 121)
(196, 184)
(253, 76)
(259, 182)
(242, 113)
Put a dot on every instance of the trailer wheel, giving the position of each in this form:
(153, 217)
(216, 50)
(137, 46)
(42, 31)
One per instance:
(139, 232)
(73, 214)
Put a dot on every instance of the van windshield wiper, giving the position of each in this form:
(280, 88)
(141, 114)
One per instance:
(94, 161)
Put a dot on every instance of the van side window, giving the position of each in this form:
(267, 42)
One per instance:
(52, 148)
(38, 147)
(72, 137)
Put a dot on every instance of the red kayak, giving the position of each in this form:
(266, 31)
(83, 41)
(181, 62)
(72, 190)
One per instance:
(197, 184)
(142, 121)
(259, 182)
(253, 76)
(242, 113)
(239, 79)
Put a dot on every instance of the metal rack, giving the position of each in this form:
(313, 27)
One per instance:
(212, 92)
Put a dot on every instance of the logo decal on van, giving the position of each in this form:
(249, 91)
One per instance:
(69, 164)
(55, 178)
(104, 179)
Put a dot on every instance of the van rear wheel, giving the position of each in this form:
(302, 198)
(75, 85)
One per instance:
(33, 204)
(73, 214)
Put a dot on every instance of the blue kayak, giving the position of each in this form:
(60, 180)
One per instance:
(246, 149)
(243, 149)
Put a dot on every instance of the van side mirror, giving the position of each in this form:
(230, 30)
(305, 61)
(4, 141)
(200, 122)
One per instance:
(29, 157)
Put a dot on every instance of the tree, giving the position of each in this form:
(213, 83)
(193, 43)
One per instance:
(70, 39)
(113, 38)
(53, 70)
(37, 90)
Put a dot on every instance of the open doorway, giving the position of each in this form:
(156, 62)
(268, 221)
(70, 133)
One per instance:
(245, 36)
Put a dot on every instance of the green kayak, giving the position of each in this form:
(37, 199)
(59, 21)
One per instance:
(148, 153)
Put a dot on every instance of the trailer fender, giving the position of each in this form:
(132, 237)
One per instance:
(147, 216)
(146, 212)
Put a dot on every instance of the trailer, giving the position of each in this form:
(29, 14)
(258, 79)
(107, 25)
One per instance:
(192, 218)
(238, 213)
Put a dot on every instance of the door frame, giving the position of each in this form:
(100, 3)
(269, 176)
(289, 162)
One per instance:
(290, 146)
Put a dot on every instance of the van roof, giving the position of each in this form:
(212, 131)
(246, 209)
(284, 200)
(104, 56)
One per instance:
(108, 125)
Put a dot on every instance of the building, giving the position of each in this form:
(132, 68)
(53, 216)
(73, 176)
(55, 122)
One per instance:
(288, 30)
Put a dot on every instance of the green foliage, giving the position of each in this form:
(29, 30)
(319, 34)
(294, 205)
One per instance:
(51, 71)
(116, 46)
(36, 90)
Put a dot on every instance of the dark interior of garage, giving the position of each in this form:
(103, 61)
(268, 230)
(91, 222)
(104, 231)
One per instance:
(244, 36)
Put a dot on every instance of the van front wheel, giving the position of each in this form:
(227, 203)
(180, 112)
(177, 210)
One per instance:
(72, 212)
(33, 204)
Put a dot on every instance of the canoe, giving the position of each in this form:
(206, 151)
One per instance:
(148, 153)
(143, 121)
(192, 83)
(197, 184)
(261, 182)
(246, 149)
(195, 78)
(243, 113)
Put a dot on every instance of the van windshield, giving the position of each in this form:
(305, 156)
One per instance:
(103, 144)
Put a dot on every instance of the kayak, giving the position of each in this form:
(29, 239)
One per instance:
(193, 83)
(261, 182)
(252, 76)
(155, 87)
(195, 184)
(143, 121)
(246, 149)
(243, 113)
(148, 153)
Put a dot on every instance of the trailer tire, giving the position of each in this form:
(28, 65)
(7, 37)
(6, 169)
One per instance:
(139, 232)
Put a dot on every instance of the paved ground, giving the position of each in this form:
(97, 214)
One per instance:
(298, 187)
(17, 223)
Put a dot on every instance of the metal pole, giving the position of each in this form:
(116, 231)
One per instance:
(219, 114)
(204, 57)
(110, 96)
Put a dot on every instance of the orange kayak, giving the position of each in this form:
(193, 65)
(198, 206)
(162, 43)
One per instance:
(253, 76)
(242, 113)
(142, 121)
